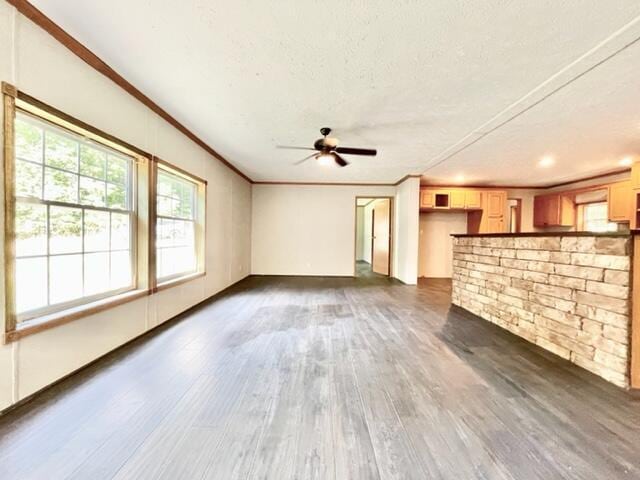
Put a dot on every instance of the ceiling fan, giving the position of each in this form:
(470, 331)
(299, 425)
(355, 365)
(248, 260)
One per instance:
(326, 150)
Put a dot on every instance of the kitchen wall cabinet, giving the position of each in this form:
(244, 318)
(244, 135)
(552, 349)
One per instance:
(472, 199)
(485, 208)
(554, 210)
(620, 201)
(457, 198)
(426, 199)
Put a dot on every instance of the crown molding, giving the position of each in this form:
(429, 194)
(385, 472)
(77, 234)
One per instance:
(90, 58)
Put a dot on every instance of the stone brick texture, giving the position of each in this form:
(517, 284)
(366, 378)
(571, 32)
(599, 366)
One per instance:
(568, 294)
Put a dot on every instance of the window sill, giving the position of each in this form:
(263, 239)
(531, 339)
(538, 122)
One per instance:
(178, 281)
(65, 316)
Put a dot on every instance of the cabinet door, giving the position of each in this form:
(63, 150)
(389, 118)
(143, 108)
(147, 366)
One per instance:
(496, 204)
(472, 199)
(495, 225)
(457, 199)
(546, 210)
(539, 210)
(619, 201)
(426, 198)
(635, 176)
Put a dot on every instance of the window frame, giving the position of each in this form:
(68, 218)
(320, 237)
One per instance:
(582, 212)
(16, 327)
(200, 205)
(131, 212)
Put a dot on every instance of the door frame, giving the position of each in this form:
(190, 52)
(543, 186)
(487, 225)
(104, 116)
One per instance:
(391, 225)
(518, 212)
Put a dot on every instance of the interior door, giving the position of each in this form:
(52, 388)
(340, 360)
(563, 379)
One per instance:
(381, 227)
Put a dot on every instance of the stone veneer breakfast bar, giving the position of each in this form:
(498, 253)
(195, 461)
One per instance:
(569, 293)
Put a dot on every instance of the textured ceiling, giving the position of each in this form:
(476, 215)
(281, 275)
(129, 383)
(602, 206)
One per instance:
(451, 89)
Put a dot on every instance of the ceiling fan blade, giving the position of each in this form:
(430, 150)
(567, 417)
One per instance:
(288, 147)
(356, 151)
(305, 159)
(339, 160)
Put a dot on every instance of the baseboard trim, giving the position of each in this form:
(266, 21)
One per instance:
(155, 330)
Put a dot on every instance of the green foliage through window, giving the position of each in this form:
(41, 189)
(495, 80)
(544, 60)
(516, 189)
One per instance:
(72, 218)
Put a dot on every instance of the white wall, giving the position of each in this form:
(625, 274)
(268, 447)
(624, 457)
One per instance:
(407, 219)
(306, 229)
(310, 229)
(40, 66)
(360, 233)
(436, 252)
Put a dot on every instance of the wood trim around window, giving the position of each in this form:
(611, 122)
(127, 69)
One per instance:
(9, 102)
(45, 111)
(65, 316)
(200, 223)
(14, 101)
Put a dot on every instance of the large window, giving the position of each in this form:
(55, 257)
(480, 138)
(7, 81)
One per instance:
(178, 208)
(74, 218)
(595, 218)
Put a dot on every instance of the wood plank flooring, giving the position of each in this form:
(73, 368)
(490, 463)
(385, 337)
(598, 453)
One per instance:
(327, 378)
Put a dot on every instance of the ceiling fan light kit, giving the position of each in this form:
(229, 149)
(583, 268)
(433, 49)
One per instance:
(329, 151)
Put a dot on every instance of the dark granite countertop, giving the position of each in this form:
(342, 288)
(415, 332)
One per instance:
(551, 234)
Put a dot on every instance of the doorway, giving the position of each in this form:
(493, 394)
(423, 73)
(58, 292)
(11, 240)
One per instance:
(374, 221)
(515, 215)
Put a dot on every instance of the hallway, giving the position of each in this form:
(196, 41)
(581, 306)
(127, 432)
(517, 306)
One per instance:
(329, 378)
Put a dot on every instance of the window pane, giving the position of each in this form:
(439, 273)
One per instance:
(183, 233)
(164, 206)
(60, 186)
(31, 229)
(120, 231)
(92, 162)
(61, 151)
(66, 230)
(184, 259)
(117, 170)
(28, 179)
(164, 233)
(165, 262)
(120, 270)
(92, 192)
(187, 202)
(65, 273)
(96, 231)
(31, 283)
(28, 141)
(164, 184)
(116, 196)
(74, 258)
(96, 273)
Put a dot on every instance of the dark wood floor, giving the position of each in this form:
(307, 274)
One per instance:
(327, 378)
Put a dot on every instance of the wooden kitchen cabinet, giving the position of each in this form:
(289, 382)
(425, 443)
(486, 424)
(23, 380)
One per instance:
(472, 199)
(426, 199)
(457, 199)
(496, 203)
(635, 176)
(553, 210)
(620, 201)
(495, 225)
(494, 206)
